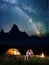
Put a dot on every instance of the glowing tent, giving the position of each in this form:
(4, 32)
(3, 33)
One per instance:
(12, 51)
(42, 55)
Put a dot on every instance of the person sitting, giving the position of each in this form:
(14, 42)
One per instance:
(31, 53)
(27, 55)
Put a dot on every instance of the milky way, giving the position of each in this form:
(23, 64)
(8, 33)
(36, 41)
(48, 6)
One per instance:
(30, 16)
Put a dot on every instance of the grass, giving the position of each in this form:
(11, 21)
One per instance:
(13, 60)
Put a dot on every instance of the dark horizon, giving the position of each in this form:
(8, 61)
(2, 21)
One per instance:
(21, 41)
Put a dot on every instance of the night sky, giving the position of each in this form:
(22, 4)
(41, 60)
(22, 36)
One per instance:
(30, 16)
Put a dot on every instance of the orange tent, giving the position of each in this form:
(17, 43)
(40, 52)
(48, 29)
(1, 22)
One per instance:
(12, 51)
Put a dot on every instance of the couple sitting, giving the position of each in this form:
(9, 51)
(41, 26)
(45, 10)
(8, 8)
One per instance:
(29, 54)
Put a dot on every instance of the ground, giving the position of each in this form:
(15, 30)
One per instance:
(20, 60)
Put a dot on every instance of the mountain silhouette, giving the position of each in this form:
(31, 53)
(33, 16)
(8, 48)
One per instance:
(18, 38)
(16, 34)
(15, 38)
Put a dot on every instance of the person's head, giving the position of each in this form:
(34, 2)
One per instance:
(31, 50)
(27, 50)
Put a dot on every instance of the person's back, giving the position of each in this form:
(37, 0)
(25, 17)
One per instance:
(27, 55)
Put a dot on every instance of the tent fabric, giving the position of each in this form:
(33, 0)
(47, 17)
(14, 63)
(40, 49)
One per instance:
(13, 51)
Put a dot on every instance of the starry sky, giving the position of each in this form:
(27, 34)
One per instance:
(30, 16)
